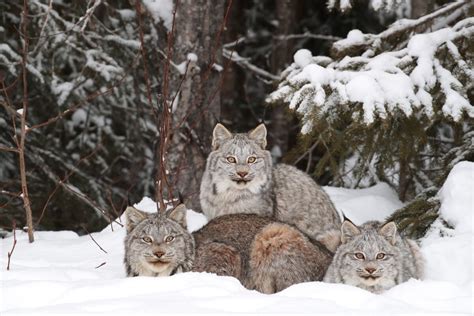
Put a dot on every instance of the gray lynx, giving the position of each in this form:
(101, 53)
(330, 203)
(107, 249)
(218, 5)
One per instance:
(263, 254)
(240, 178)
(374, 257)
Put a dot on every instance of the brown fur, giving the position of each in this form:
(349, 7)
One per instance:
(263, 254)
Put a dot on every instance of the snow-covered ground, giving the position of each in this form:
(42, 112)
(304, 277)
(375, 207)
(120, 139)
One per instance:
(62, 273)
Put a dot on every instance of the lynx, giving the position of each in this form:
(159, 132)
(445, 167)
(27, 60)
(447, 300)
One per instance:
(240, 178)
(374, 257)
(263, 254)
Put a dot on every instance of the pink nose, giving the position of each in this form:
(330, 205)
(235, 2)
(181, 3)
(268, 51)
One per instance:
(159, 254)
(242, 174)
(370, 270)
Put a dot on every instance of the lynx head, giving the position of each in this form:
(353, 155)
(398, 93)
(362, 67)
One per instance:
(157, 244)
(240, 161)
(368, 254)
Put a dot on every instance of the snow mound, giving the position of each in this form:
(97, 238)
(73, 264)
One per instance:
(457, 202)
(361, 205)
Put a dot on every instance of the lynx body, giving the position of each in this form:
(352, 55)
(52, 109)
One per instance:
(240, 178)
(262, 253)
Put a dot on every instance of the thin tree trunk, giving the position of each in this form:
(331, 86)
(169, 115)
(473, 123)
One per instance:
(21, 144)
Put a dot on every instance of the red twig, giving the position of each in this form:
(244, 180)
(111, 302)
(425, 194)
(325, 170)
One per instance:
(14, 244)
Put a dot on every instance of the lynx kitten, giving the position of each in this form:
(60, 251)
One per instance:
(240, 178)
(374, 257)
(263, 254)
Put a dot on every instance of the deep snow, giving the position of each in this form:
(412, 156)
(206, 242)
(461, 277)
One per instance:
(59, 273)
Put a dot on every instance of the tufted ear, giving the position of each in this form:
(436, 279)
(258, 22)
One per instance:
(178, 214)
(133, 217)
(219, 135)
(259, 135)
(389, 231)
(348, 231)
(330, 239)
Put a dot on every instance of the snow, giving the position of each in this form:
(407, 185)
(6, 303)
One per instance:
(302, 57)
(161, 10)
(457, 196)
(353, 203)
(192, 57)
(63, 273)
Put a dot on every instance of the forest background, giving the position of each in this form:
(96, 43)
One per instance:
(104, 102)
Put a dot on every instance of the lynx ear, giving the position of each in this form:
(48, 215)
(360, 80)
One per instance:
(348, 231)
(133, 218)
(259, 135)
(389, 231)
(179, 215)
(219, 135)
(330, 239)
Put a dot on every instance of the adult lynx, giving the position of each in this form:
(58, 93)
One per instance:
(263, 254)
(374, 257)
(240, 178)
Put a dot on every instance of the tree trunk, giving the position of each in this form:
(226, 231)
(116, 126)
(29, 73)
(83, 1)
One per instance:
(281, 57)
(198, 23)
(233, 92)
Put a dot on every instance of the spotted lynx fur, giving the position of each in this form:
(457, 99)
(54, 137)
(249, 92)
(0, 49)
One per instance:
(263, 254)
(240, 178)
(374, 257)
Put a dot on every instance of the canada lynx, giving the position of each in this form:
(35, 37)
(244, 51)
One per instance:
(374, 257)
(240, 178)
(263, 254)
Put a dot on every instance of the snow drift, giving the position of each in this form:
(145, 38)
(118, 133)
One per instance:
(62, 273)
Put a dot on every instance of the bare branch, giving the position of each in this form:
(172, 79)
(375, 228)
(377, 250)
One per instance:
(245, 63)
(10, 253)
(90, 235)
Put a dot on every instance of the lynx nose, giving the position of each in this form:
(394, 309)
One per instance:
(370, 270)
(242, 174)
(159, 254)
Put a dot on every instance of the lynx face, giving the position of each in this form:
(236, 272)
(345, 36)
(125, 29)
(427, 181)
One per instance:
(155, 244)
(240, 161)
(369, 257)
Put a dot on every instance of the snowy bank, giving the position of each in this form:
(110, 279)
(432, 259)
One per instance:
(62, 273)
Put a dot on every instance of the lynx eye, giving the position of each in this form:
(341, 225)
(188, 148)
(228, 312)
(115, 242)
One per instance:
(231, 159)
(251, 159)
(359, 255)
(169, 239)
(147, 239)
(380, 256)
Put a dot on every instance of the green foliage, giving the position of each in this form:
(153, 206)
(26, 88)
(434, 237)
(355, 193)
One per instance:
(414, 220)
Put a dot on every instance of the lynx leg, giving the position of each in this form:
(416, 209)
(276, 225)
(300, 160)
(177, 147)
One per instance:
(218, 258)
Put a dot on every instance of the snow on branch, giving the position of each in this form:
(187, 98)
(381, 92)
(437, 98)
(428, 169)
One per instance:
(399, 32)
(429, 76)
(376, 5)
